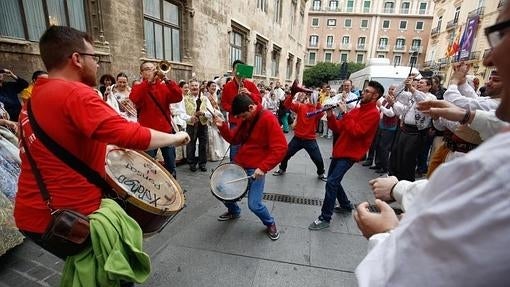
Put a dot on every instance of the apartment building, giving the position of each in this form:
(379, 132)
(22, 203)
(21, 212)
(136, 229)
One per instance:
(199, 38)
(460, 24)
(356, 30)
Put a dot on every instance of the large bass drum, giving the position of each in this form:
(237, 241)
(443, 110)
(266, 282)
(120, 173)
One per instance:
(153, 197)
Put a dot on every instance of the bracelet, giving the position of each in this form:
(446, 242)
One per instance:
(391, 191)
(465, 119)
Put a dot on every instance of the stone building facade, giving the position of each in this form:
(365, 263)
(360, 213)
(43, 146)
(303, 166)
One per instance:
(199, 38)
(449, 24)
(356, 30)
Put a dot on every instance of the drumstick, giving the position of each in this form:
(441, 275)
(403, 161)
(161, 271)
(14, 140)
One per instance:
(238, 179)
(212, 113)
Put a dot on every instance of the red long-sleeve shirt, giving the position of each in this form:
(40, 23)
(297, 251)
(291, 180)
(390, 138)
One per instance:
(305, 126)
(73, 115)
(265, 146)
(231, 90)
(149, 115)
(357, 129)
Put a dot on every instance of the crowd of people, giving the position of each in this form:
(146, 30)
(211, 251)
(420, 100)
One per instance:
(454, 222)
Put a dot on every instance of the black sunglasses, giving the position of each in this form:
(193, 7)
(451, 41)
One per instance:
(495, 33)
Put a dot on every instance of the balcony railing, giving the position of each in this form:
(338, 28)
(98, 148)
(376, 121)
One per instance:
(382, 47)
(474, 55)
(399, 48)
(404, 10)
(413, 49)
(360, 46)
(329, 45)
(366, 10)
(345, 46)
(434, 32)
(422, 11)
(312, 45)
(389, 10)
(316, 8)
(452, 24)
(442, 61)
(486, 52)
(477, 12)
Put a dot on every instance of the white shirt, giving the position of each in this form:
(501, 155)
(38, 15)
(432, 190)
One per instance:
(338, 98)
(464, 96)
(456, 232)
(279, 93)
(487, 124)
(411, 115)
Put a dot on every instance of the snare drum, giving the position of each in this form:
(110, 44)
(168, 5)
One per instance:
(152, 195)
(229, 182)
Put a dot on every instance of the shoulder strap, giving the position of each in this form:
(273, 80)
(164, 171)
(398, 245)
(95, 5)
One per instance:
(37, 173)
(167, 118)
(65, 156)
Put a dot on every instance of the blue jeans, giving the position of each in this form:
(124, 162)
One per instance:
(168, 154)
(311, 147)
(255, 194)
(334, 190)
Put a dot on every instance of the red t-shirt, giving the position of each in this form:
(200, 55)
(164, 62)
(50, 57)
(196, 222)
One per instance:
(357, 129)
(231, 90)
(74, 116)
(305, 126)
(264, 148)
(149, 115)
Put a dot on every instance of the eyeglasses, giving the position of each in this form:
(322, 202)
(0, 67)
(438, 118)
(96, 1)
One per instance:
(496, 32)
(94, 56)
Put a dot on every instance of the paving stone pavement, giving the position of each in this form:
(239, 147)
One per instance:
(197, 250)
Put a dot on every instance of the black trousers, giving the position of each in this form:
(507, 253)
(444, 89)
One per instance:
(383, 148)
(197, 132)
(311, 147)
(408, 143)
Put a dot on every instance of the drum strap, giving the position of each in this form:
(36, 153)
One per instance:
(68, 158)
(167, 118)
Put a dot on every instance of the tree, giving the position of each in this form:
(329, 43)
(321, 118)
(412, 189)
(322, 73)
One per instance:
(323, 72)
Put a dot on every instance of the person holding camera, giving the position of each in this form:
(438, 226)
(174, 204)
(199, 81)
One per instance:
(9, 93)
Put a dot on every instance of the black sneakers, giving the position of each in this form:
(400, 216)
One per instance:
(278, 172)
(340, 209)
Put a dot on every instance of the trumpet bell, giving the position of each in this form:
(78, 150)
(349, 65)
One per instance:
(164, 67)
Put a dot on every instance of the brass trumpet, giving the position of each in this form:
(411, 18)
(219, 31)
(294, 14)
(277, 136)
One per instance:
(164, 67)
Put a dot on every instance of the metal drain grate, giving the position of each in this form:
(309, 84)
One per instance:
(292, 199)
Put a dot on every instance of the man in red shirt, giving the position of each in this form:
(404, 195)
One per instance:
(357, 129)
(262, 146)
(304, 134)
(152, 98)
(230, 90)
(68, 109)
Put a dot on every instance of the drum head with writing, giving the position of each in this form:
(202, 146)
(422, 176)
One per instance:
(145, 182)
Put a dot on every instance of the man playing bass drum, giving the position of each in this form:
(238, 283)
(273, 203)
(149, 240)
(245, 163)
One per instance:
(258, 153)
(86, 124)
